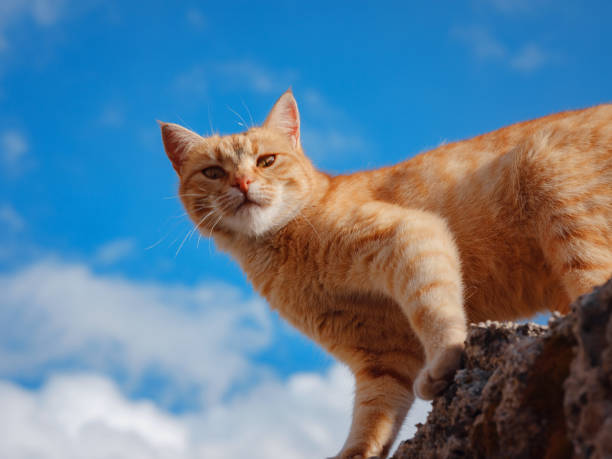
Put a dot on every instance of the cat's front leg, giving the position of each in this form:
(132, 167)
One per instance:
(429, 288)
(382, 399)
(416, 262)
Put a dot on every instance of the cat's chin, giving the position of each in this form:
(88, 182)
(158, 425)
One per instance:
(252, 219)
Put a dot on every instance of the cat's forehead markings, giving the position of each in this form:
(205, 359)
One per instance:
(242, 146)
(225, 149)
(238, 145)
(233, 148)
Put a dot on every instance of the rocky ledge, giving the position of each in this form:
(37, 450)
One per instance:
(528, 391)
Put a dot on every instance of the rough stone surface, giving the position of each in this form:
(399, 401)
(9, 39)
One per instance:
(528, 391)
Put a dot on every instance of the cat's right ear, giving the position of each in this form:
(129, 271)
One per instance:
(285, 117)
(177, 143)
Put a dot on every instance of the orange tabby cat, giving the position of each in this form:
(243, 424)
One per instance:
(385, 268)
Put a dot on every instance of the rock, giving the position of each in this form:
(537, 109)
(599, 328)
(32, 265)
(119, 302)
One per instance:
(528, 391)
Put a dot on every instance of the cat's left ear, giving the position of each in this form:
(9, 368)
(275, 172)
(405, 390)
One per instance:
(285, 117)
(177, 143)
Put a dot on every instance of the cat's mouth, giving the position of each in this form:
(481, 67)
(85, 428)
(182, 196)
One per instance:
(246, 204)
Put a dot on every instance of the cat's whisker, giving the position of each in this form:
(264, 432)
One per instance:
(173, 242)
(197, 227)
(176, 217)
(159, 241)
(210, 124)
(209, 214)
(211, 232)
(190, 233)
(186, 195)
(243, 122)
(174, 220)
(248, 112)
(184, 123)
(181, 245)
(178, 196)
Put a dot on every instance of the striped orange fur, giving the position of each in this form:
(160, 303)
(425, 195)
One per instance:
(385, 268)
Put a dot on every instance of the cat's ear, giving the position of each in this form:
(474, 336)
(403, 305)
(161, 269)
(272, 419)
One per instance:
(177, 143)
(285, 117)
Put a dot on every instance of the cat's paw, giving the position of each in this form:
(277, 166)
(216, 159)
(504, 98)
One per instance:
(437, 374)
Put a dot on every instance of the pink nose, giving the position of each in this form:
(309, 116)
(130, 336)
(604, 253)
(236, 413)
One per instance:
(243, 183)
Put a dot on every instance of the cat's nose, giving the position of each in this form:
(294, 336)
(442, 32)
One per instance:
(242, 183)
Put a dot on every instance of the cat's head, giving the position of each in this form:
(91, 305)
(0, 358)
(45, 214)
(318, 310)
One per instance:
(248, 183)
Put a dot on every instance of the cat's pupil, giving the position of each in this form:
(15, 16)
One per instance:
(214, 172)
(266, 161)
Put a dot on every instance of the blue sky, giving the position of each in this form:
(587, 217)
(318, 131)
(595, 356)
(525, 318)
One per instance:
(98, 301)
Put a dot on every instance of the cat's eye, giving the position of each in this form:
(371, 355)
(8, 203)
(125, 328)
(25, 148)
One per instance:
(266, 160)
(214, 172)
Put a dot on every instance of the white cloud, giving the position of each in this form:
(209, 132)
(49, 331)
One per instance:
(86, 416)
(306, 417)
(9, 218)
(14, 147)
(202, 337)
(53, 311)
(487, 47)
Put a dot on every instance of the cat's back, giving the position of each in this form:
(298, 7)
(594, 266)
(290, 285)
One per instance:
(493, 188)
(471, 166)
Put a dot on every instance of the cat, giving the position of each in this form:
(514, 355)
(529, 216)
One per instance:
(385, 268)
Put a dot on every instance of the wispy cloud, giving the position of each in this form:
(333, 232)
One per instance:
(319, 143)
(480, 41)
(114, 251)
(112, 115)
(42, 12)
(529, 57)
(241, 75)
(516, 6)
(14, 147)
(327, 132)
(10, 219)
(486, 47)
(246, 74)
(196, 18)
(193, 82)
(318, 106)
